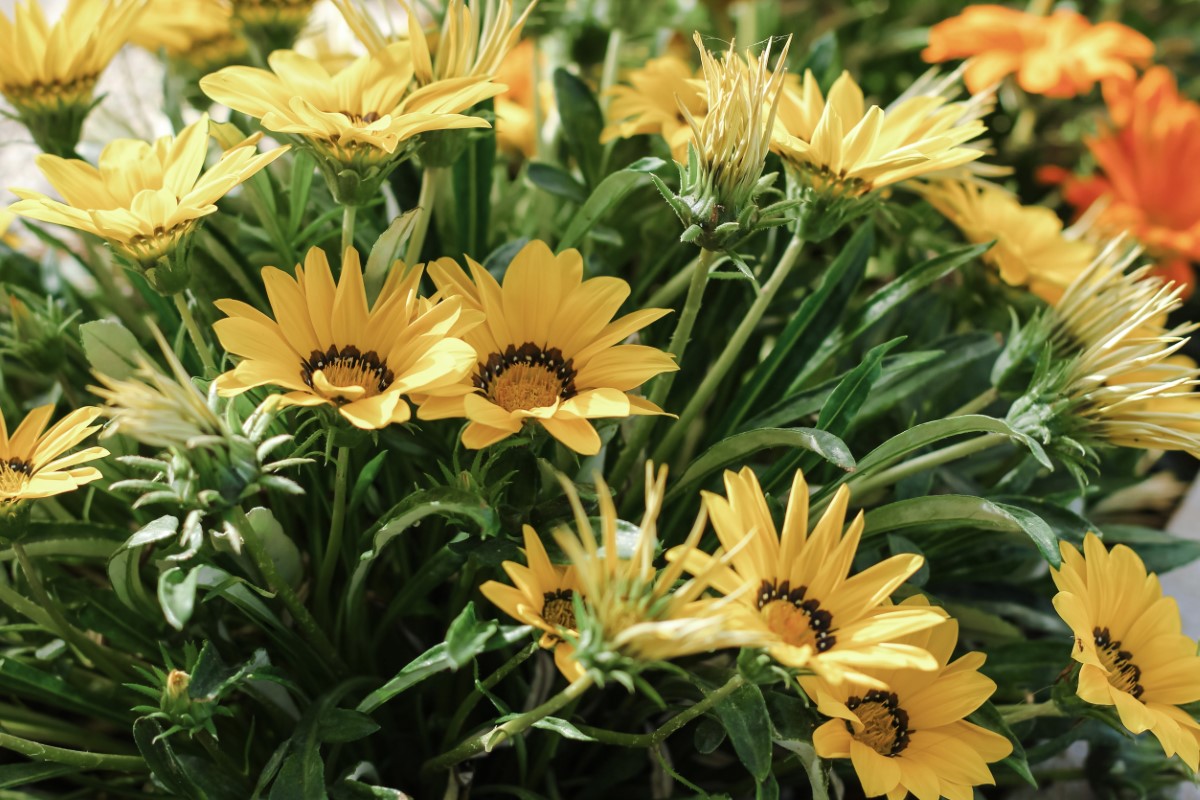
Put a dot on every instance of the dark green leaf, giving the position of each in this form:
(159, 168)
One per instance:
(744, 715)
(467, 636)
(708, 736)
(339, 725)
(562, 728)
(22, 776)
(302, 777)
(582, 122)
(556, 181)
(610, 192)
(163, 762)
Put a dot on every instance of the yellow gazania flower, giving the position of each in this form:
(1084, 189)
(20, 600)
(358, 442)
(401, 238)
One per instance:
(275, 23)
(1129, 641)
(913, 737)
(327, 347)
(472, 42)
(1031, 248)
(549, 350)
(49, 71)
(840, 145)
(33, 460)
(797, 591)
(198, 33)
(145, 199)
(1127, 384)
(542, 595)
(360, 122)
(653, 103)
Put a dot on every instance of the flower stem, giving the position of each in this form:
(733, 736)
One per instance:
(349, 212)
(333, 547)
(416, 241)
(662, 384)
(490, 740)
(671, 726)
(917, 465)
(976, 404)
(733, 348)
(75, 758)
(464, 708)
(308, 625)
(1019, 712)
(193, 330)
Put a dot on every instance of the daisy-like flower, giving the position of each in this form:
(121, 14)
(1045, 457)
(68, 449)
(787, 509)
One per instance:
(361, 122)
(912, 737)
(1130, 645)
(34, 461)
(274, 24)
(1145, 181)
(549, 350)
(796, 589)
(48, 72)
(654, 103)
(327, 347)
(838, 145)
(145, 199)
(1031, 248)
(1062, 55)
(197, 34)
(542, 595)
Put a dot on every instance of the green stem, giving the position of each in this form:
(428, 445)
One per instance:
(816, 772)
(665, 295)
(75, 758)
(670, 726)
(349, 212)
(337, 524)
(262, 559)
(464, 708)
(734, 348)
(917, 465)
(608, 77)
(662, 384)
(193, 330)
(976, 404)
(425, 200)
(490, 740)
(1019, 712)
(220, 253)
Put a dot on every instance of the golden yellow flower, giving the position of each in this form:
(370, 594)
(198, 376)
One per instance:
(912, 737)
(49, 71)
(653, 103)
(327, 347)
(145, 199)
(549, 350)
(516, 130)
(198, 33)
(33, 460)
(1130, 644)
(797, 591)
(360, 122)
(1031, 248)
(840, 145)
(542, 595)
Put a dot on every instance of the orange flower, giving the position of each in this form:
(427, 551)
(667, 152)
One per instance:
(1147, 176)
(1062, 55)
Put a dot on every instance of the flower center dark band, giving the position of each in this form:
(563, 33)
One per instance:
(1123, 674)
(885, 723)
(820, 621)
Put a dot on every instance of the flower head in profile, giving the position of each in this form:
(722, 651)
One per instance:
(145, 199)
(1130, 644)
(796, 588)
(327, 347)
(913, 736)
(1031, 247)
(1062, 55)
(633, 612)
(273, 24)
(549, 351)
(654, 103)
(361, 122)
(35, 460)
(543, 595)
(48, 71)
(1146, 175)
(196, 34)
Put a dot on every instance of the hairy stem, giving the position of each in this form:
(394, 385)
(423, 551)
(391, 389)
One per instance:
(193, 331)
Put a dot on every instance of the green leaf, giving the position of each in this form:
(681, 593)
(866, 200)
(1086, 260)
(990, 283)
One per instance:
(164, 764)
(927, 433)
(467, 636)
(556, 181)
(303, 171)
(21, 776)
(708, 736)
(582, 122)
(177, 595)
(364, 480)
(922, 515)
(30, 683)
(563, 729)
(154, 531)
(737, 447)
(302, 776)
(340, 725)
(387, 250)
(744, 715)
(351, 789)
(111, 349)
(279, 546)
(608, 194)
(1161, 551)
(957, 355)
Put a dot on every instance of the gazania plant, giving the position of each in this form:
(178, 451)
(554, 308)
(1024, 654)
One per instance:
(552, 399)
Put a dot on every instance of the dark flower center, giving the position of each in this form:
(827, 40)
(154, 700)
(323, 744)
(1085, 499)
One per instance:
(798, 620)
(885, 723)
(14, 475)
(348, 367)
(558, 608)
(526, 377)
(1123, 674)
